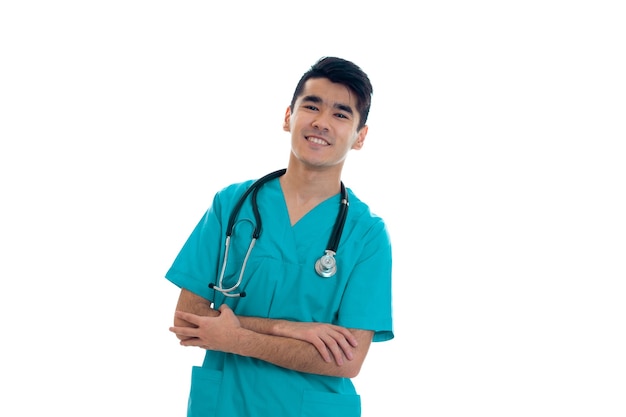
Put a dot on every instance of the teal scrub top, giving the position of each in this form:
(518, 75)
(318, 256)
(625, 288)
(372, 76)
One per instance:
(281, 283)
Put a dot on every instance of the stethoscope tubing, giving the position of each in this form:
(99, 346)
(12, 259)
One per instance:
(335, 237)
(254, 188)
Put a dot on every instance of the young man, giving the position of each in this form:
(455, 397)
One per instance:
(283, 325)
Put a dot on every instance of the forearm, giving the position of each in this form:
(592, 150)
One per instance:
(191, 303)
(307, 347)
(293, 354)
(260, 325)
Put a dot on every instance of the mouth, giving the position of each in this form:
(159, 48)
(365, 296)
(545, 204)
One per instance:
(316, 140)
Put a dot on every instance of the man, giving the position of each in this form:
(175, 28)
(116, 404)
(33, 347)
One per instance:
(284, 331)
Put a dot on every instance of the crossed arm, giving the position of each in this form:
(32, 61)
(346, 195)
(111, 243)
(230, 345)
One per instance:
(317, 348)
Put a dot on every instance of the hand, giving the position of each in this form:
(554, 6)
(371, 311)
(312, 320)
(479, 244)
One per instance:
(328, 339)
(211, 333)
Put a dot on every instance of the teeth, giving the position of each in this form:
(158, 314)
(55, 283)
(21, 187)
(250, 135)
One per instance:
(317, 140)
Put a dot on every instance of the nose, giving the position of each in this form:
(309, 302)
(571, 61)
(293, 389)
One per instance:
(321, 121)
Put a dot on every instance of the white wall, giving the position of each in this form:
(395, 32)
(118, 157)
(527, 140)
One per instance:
(495, 153)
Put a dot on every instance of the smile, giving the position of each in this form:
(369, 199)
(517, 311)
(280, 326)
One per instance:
(317, 140)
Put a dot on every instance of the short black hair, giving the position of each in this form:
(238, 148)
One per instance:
(341, 71)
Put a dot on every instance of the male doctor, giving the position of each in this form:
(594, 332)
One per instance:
(285, 341)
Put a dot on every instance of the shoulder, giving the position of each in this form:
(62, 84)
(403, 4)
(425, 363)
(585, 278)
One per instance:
(234, 189)
(361, 209)
(225, 199)
(362, 217)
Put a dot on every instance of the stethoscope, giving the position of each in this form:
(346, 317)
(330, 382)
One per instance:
(326, 265)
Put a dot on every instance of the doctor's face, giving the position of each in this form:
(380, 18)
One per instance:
(323, 124)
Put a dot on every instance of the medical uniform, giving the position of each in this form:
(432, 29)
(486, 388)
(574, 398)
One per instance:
(281, 283)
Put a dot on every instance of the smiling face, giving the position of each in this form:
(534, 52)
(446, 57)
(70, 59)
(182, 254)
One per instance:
(323, 125)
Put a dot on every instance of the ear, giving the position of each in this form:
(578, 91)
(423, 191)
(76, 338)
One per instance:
(286, 122)
(360, 138)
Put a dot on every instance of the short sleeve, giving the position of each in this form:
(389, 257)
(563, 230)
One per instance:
(196, 264)
(367, 300)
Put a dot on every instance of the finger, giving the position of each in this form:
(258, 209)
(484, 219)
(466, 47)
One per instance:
(335, 350)
(185, 332)
(337, 354)
(194, 341)
(346, 348)
(188, 317)
(184, 339)
(349, 337)
(323, 350)
(344, 343)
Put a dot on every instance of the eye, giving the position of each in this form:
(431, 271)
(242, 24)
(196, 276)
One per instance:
(310, 107)
(342, 116)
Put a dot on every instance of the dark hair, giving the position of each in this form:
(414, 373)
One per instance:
(343, 72)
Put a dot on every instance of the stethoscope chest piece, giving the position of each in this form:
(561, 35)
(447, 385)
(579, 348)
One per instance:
(326, 265)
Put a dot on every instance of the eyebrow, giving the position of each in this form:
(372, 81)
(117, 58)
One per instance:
(318, 100)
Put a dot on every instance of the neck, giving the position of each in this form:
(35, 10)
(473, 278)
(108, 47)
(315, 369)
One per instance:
(304, 189)
(306, 185)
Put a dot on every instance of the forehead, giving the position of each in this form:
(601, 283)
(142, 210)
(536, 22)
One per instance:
(331, 93)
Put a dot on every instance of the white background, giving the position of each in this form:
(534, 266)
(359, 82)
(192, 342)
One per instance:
(495, 153)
